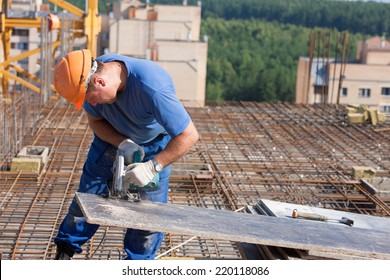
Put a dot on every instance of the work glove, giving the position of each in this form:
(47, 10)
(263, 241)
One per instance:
(140, 174)
(129, 148)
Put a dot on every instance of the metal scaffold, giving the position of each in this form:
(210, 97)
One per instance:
(23, 92)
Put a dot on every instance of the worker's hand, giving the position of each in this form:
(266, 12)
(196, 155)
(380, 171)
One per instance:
(140, 174)
(129, 148)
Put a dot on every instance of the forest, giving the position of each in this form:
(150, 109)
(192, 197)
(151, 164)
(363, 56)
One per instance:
(254, 45)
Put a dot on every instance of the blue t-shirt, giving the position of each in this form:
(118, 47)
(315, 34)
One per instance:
(147, 107)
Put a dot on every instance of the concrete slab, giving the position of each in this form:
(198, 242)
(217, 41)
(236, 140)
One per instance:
(377, 186)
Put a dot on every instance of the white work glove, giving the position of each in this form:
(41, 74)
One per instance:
(140, 174)
(129, 148)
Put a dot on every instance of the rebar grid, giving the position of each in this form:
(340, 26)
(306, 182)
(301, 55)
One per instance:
(293, 153)
(286, 152)
(18, 113)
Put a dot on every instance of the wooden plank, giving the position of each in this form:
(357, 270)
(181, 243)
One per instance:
(282, 209)
(240, 227)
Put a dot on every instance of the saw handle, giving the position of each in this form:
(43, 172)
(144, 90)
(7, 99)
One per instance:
(136, 157)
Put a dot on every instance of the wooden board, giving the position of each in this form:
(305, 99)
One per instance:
(282, 209)
(241, 227)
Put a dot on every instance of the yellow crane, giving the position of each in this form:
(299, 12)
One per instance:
(87, 24)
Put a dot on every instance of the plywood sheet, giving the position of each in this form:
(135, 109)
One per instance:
(241, 227)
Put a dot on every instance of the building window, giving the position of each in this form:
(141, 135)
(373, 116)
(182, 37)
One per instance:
(24, 61)
(364, 92)
(385, 108)
(386, 91)
(20, 32)
(317, 89)
(22, 46)
(104, 36)
(343, 92)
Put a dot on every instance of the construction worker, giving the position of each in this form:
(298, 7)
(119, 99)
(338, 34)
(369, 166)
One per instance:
(131, 105)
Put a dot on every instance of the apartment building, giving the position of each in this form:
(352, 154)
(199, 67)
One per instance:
(366, 81)
(167, 34)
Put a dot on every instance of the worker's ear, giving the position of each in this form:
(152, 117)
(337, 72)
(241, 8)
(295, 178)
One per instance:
(100, 82)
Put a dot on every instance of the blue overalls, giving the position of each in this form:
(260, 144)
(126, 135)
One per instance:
(75, 231)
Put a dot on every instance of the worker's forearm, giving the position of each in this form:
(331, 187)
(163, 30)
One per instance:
(178, 146)
(105, 131)
(175, 149)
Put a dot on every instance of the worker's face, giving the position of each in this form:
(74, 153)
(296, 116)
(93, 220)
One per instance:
(95, 97)
(99, 93)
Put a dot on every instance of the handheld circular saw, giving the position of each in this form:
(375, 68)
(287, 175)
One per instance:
(122, 188)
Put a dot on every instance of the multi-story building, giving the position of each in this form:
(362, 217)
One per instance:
(366, 81)
(167, 34)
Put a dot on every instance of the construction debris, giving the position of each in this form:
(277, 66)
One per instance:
(359, 172)
(358, 114)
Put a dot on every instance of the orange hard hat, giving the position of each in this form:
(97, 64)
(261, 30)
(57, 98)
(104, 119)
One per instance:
(71, 76)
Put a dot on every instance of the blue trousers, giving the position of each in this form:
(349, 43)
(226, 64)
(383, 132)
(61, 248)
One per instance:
(74, 231)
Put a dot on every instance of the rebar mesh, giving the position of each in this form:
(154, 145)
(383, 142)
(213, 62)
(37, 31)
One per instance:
(247, 151)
